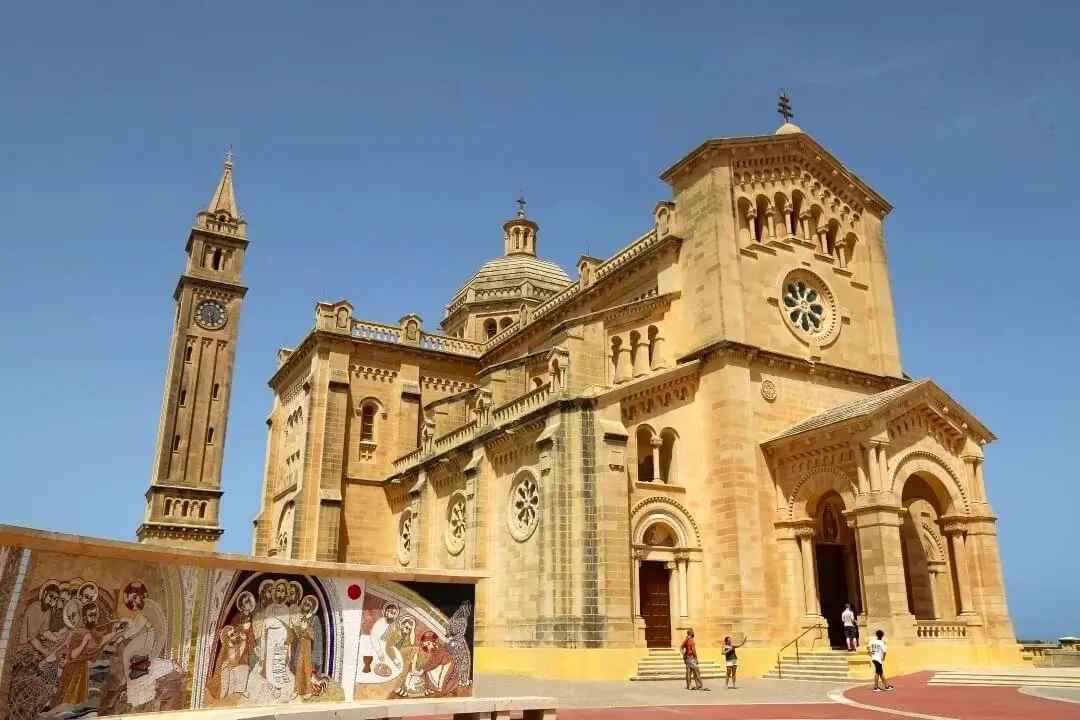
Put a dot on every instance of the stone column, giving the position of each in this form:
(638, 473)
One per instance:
(937, 596)
(804, 225)
(659, 359)
(639, 357)
(787, 223)
(957, 537)
(751, 215)
(881, 560)
(883, 466)
(622, 364)
(980, 485)
(655, 443)
(823, 243)
(681, 562)
(636, 582)
(870, 457)
(693, 588)
(860, 471)
(805, 534)
(769, 221)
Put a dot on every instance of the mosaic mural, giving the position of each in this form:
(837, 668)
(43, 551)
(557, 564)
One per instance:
(85, 637)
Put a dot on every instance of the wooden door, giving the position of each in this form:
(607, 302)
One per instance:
(656, 604)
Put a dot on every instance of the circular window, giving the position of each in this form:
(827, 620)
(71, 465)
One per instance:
(809, 307)
(404, 543)
(524, 507)
(456, 524)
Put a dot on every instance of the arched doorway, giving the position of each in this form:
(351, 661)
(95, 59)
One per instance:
(930, 595)
(837, 565)
(666, 573)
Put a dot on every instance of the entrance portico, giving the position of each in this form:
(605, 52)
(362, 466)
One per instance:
(876, 506)
(666, 574)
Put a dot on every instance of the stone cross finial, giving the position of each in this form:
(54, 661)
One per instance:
(784, 107)
(521, 204)
(228, 156)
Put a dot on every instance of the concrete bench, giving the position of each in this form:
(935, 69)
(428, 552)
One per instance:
(493, 708)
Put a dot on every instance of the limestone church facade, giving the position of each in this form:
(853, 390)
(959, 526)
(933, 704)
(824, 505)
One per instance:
(710, 428)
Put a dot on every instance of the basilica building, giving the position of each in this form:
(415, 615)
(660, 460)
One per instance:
(711, 428)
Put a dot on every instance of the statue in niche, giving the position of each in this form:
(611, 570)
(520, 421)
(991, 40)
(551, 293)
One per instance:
(830, 528)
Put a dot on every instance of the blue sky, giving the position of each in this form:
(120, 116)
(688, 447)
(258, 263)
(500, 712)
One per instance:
(380, 146)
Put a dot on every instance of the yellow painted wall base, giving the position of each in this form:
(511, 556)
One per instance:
(604, 664)
(940, 655)
(559, 663)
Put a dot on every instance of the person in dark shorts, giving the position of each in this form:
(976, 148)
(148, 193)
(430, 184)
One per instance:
(851, 630)
(878, 651)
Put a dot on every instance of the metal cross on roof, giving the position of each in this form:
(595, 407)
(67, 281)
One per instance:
(784, 107)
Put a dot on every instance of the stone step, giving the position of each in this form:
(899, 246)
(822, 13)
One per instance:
(676, 676)
(1001, 679)
(810, 677)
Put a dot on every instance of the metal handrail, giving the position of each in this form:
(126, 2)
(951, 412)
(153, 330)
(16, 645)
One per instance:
(795, 642)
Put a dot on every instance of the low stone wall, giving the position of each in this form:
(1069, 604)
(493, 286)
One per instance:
(110, 628)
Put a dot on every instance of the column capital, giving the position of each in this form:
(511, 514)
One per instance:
(656, 441)
(805, 531)
(682, 556)
(954, 525)
(638, 554)
(671, 565)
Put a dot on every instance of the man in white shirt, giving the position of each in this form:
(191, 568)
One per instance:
(850, 631)
(877, 650)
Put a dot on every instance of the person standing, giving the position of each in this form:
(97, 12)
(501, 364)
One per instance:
(851, 631)
(689, 653)
(731, 660)
(878, 651)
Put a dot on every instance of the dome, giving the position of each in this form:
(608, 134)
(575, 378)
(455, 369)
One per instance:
(788, 128)
(511, 271)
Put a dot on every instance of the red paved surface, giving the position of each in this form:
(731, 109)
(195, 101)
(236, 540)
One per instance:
(912, 694)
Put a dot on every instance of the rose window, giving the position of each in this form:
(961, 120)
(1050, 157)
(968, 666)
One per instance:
(804, 306)
(524, 507)
(456, 525)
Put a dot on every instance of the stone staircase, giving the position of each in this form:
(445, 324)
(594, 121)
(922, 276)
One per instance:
(667, 664)
(818, 665)
(1015, 677)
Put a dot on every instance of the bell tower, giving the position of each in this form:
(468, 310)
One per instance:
(184, 498)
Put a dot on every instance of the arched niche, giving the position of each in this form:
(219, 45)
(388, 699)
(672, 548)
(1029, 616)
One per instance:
(806, 494)
(949, 493)
(668, 514)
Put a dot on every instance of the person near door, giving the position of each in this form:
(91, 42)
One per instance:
(731, 660)
(878, 651)
(851, 630)
(689, 654)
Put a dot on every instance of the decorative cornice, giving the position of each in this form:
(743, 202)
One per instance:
(844, 183)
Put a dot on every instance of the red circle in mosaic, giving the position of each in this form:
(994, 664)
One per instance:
(354, 592)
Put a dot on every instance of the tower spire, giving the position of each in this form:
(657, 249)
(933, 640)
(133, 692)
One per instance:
(224, 200)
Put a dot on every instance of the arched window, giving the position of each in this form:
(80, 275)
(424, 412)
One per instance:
(491, 328)
(184, 509)
(669, 443)
(505, 323)
(367, 422)
(538, 382)
(646, 468)
(216, 262)
(168, 506)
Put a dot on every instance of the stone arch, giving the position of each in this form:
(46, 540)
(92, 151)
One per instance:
(938, 474)
(813, 485)
(936, 544)
(668, 512)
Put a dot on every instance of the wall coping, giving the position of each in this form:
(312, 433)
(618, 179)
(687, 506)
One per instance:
(78, 545)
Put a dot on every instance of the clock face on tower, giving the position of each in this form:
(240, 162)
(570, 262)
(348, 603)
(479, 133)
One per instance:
(211, 315)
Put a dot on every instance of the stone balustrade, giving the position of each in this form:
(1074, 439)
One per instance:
(502, 415)
(516, 408)
(378, 332)
(940, 630)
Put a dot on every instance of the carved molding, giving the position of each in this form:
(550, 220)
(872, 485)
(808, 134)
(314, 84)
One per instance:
(816, 482)
(915, 460)
(683, 516)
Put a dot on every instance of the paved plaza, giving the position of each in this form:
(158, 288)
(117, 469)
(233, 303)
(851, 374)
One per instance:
(790, 700)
